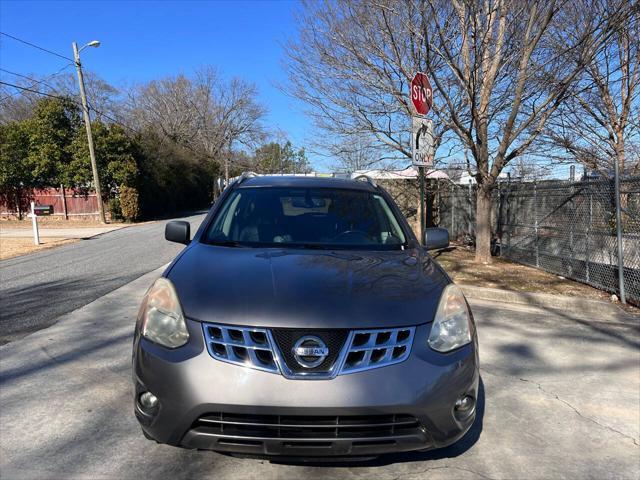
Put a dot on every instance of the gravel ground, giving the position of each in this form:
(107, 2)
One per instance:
(35, 289)
(459, 263)
(14, 247)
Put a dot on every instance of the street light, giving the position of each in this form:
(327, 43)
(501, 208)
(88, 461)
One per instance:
(87, 123)
(92, 43)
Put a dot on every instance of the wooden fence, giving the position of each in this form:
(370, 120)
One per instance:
(67, 203)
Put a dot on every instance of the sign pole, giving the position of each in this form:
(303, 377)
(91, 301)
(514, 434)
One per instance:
(422, 204)
(34, 224)
(422, 143)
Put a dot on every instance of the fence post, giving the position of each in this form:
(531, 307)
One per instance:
(499, 219)
(437, 203)
(453, 213)
(572, 205)
(535, 216)
(508, 197)
(589, 226)
(616, 173)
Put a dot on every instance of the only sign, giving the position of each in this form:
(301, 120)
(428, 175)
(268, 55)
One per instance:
(421, 93)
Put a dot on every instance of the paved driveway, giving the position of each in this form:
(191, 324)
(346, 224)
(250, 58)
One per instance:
(36, 289)
(560, 400)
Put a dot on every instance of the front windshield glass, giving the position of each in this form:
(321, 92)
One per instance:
(306, 218)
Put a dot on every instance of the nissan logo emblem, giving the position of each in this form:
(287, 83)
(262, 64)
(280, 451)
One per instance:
(310, 351)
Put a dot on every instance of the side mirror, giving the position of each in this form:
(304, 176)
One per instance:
(435, 238)
(178, 231)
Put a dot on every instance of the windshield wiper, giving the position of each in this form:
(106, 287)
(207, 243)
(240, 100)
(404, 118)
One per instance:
(314, 246)
(309, 246)
(227, 243)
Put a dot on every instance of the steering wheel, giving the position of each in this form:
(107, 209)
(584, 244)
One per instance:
(351, 233)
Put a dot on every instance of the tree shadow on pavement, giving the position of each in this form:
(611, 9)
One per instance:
(16, 301)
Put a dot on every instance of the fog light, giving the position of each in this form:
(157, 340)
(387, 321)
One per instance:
(465, 404)
(148, 400)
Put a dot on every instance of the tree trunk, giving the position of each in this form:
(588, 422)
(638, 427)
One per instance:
(18, 206)
(483, 224)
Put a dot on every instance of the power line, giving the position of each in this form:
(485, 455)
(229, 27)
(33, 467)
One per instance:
(60, 97)
(41, 82)
(48, 77)
(36, 46)
(27, 89)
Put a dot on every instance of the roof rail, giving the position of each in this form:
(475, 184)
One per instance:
(365, 178)
(245, 176)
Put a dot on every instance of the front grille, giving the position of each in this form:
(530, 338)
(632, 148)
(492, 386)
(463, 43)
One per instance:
(250, 347)
(271, 350)
(286, 339)
(377, 348)
(307, 427)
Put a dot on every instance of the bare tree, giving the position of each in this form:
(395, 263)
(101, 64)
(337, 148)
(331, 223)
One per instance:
(356, 153)
(104, 98)
(166, 106)
(500, 69)
(16, 106)
(205, 113)
(227, 114)
(526, 169)
(352, 64)
(599, 123)
(513, 62)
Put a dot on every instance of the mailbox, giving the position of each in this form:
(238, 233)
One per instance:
(43, 210)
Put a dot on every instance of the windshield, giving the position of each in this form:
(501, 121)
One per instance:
(306, 218)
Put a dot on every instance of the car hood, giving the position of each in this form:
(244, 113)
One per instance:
(292, 288)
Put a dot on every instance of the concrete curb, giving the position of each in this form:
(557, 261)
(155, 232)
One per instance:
(576, 305)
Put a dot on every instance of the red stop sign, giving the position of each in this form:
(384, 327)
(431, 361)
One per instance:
(421, 93)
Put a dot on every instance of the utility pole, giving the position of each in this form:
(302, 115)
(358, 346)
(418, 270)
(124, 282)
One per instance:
(87, 123)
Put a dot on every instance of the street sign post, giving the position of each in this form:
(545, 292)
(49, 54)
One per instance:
(421, 93)
(422, 137)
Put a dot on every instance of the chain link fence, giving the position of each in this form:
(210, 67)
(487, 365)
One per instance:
(566, 228)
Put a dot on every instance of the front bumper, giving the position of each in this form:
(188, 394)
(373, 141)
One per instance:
(191, 385)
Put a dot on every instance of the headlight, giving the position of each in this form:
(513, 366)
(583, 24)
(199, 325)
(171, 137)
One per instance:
(162, 319)
(451, 327)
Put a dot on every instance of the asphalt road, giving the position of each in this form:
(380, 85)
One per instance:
(36, 289)
(559, 400)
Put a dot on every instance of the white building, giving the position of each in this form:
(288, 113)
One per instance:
(406, 174)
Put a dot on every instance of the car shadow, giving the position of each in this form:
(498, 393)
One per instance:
(455, 450)
(439, 252)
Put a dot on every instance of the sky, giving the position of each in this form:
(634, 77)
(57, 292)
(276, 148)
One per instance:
(143, 40)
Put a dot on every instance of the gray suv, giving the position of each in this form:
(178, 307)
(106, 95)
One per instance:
(304, 319)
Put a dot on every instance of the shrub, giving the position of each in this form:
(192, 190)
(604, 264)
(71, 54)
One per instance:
(114, 209)
(129, 203)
